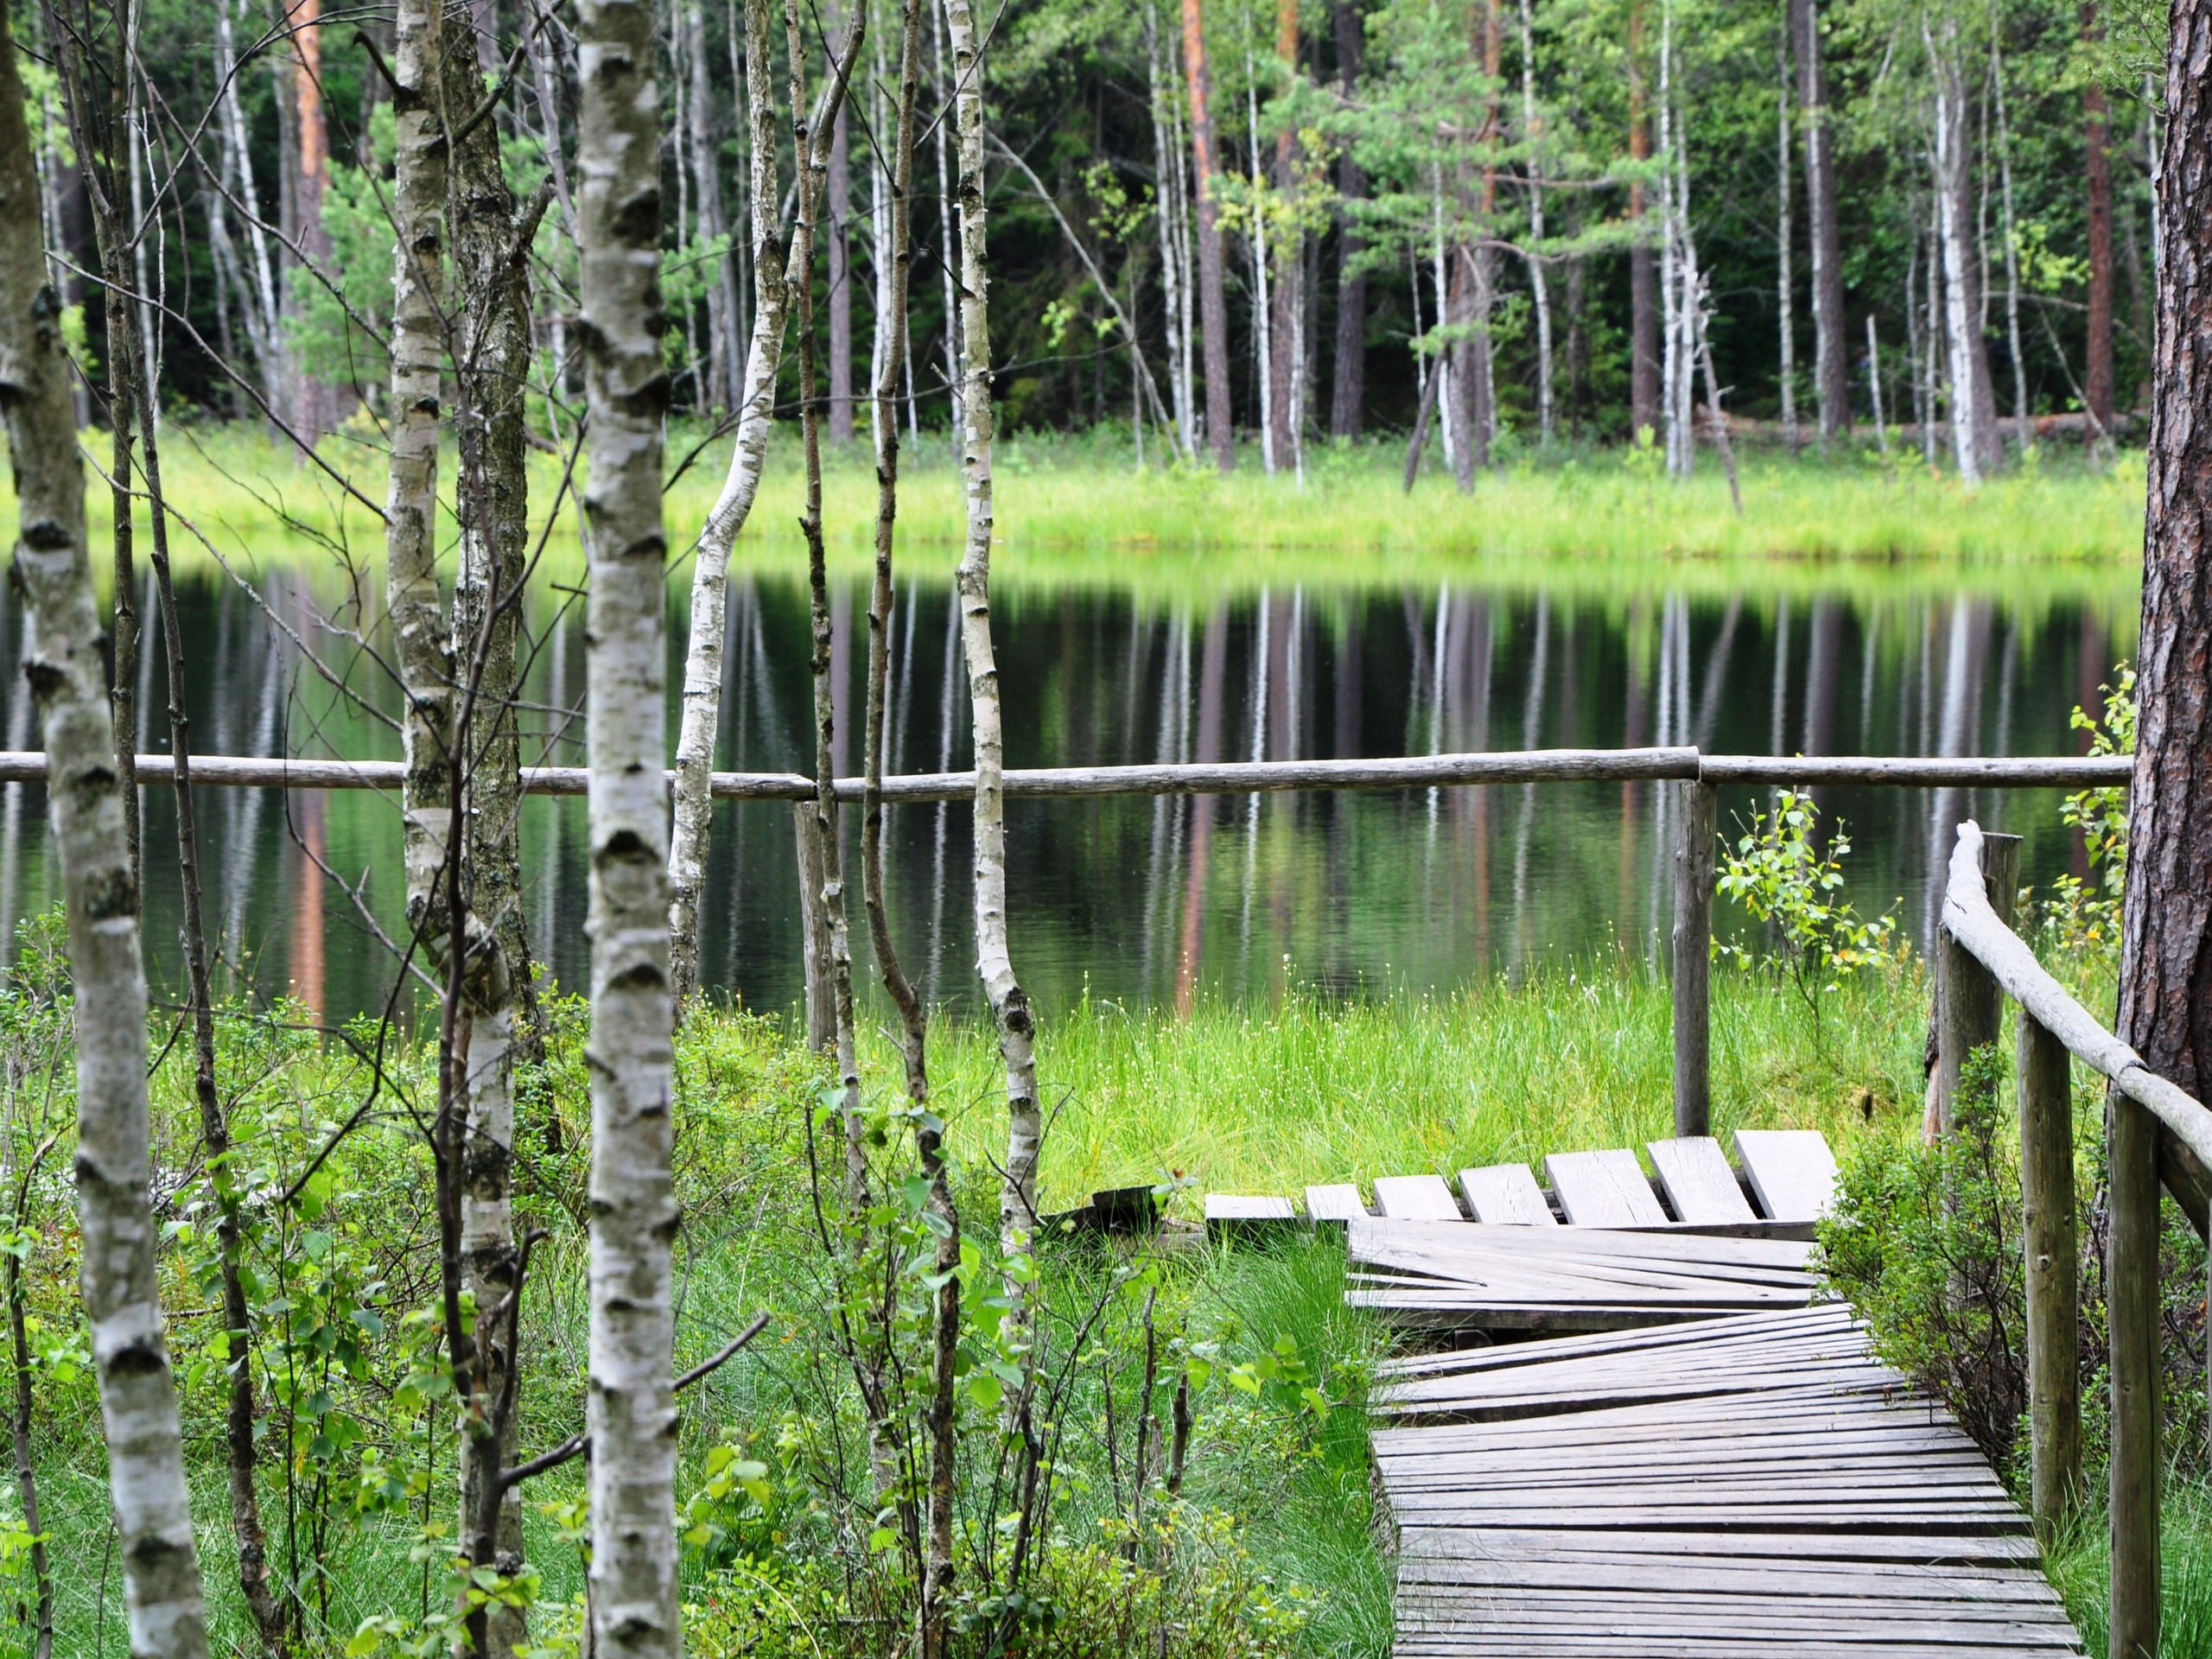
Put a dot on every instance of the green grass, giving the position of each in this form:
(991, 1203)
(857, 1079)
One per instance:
(1073, 512)
(2079, 1565)
(1265, 1100)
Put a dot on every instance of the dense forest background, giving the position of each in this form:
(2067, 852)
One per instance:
(1522, 161)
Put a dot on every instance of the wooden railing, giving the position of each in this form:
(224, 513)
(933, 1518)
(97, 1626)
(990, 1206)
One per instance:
(1983, 957)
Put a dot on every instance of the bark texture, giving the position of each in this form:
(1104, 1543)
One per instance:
(1831, 356)
(2097, 368)
(1213, 296)
(994, 960)
(1348, 393)
(700, 728)
(138, 1407)
(420, 643)
(1975, 441)
(2166, 976)
(1642, 276)
(630, 1409)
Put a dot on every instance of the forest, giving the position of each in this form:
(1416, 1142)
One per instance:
(1868, 213)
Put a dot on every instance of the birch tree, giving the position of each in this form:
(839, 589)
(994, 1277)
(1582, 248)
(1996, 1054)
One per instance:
(630, 1407)
(994, 957)
(150, 1502)
(700, 723)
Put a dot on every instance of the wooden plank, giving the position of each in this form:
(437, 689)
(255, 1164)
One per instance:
(1693, 1173)
(1603, 1189)
(1416, 1198)
(1230, 1213)
(1664, 1243)
(1506, 1195)
(1791, 1170)
(1334, 1202)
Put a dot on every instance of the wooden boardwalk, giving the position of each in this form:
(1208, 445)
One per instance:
(1714, 1463)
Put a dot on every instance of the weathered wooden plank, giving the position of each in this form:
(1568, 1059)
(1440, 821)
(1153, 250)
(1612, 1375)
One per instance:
(1339, 1203)
(1603, 1189)
(1693, 1173)
(1665, 1242)
(1232, 1213)
(1416, 1198)
(1506, 1195)
(1959, 1550)
(1791, 1170)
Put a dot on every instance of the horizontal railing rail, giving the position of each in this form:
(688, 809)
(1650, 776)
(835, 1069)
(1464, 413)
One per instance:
(1233, 777)
(1979, 957)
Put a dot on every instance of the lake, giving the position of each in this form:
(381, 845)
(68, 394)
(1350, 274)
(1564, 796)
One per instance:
(1146, 901)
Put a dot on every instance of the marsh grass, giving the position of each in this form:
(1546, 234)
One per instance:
(1265, 1100)
(2079, 1563)
(1074, 513)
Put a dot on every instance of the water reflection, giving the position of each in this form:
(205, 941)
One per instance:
(1161, 900)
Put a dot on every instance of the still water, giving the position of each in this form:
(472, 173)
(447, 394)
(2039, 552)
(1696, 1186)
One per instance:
(1161, 901)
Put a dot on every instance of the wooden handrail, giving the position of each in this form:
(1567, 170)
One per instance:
(1972, 922)
(1234, 777)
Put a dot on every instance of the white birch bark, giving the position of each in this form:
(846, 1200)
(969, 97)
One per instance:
(702, 663)
(1974, 415)
(2011, 254)
(630, 1408)
(1166, 153)
(1531, 131)
(164, 1608)
(1262, 301)
(994, 958)
(420, 642)
(1785, 281)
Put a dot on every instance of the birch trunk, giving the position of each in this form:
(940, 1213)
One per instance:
(420, 643)
(1531, 133)
(630, 1409)
(699, 732)
(993, 961)
(828, 838)
(139, 1407)
(1974, 412)
(706, 186)
(1167, 164)
(937, 1554)
(489, 247)
(1785, 280)
(2012, 255)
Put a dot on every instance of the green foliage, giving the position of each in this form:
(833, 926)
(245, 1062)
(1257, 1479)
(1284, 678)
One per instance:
(1924, 1242)
(1785, 873)
(339, 328)
(2085, 915)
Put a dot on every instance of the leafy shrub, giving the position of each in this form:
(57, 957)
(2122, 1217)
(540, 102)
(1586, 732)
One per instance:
(1925, 1242)
(1782, 875)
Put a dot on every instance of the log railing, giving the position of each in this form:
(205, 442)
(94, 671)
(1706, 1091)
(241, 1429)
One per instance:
(1697, 777)
(1981, 959)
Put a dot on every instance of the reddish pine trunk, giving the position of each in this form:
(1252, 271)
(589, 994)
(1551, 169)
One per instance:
(1213, 298)
(2165, 975)
(2097, 380)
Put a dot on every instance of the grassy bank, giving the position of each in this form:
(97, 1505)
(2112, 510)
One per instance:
(1266, 1552)
(1074, 512)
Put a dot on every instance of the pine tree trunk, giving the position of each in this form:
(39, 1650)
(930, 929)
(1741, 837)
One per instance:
(1213, 294)
(2097, 377)
(151, 1505)
(1009, 1003)
(2165, 975)
(630, 1410)
(723, 339)
(1831, 352)
(1348, 391)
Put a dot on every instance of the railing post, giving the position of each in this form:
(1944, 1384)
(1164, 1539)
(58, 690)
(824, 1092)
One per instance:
(814, 931)
(1694, 865)
(2047, 1192)
(2131, 1301)
(1966, 1000)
